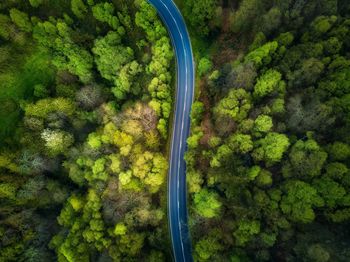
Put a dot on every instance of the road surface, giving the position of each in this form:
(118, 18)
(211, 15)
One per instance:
(177, 208)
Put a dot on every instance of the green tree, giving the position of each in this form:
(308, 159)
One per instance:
(103, 12)
(111, 55)
(299, 201)
(271, 148)
(6, 29)
(207, 204)
(339, 151)
(223, 152)
(332, 192)
(269, 83)
(194, 181)
(8, 191)
(271, 20)
(193, 140)
(262, 55)
(197, 111)
(244, 17)
(200, 14)
(264, 179)
(44, 107)
(317, 253)
(68, 55)
(79, 8)
(35, 3)
(308, 74)
(125, 83)
(263, 124)
(207, 248)
(21, 20)
(204, 66)
(246, 231)
(240, 143)
(306, 159)
(236, 105)
(336, 171)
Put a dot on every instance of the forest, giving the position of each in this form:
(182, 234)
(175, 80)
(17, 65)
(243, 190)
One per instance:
(86, 96)
(87, 90)
(269, 152)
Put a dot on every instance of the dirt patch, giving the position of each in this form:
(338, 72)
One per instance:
(206, 124)
(229, 44)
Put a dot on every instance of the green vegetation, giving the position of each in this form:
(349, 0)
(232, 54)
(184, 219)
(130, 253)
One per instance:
(85, 103)
(268, 159)
(86, 95)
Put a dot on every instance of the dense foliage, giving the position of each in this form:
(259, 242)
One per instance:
(85, 103)
(86, 95)
(269, 154)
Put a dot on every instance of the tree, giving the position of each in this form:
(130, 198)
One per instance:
(322, 24)
(308, 74)
(223, 152)
(8, 191)
(21, 20)
(35, 3)
(242, 76)
(200, 14)
(89, 97)
(269, 83)
(271, 148)
(162, 127)
(56, 141)
(339, 151)
(236, 105)
(240, 143)
(263, 124)
(318, 254)
(308, 115)
(271, 20)
(41, 91)
(299, 200)
(130, 244)
(206, 203)
(246, 231)
(193, 140)
(336, 171)
(306, 159)
(146, 18)
(204, 66)
(67, 54)
(120, 229)
(262, 55)
(244, 17)
(79, 8)
(44, 107)
(125, 83)
(207, 247)
(197, 111)
(111, 55)
(150, 169)
(332, 192)
(194, 181)
(103, 12)
(264, 179)
(6, 29)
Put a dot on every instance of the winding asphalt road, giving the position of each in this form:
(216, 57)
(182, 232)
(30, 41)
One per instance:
(177, 208)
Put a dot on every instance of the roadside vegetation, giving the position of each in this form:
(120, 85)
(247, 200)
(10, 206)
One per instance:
(85, 99)
(269, 151)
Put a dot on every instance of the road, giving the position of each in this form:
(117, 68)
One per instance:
(177, 193)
